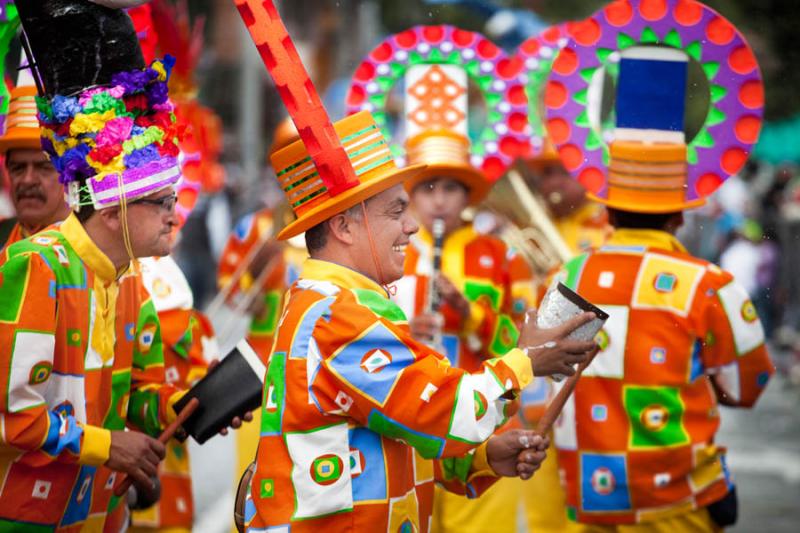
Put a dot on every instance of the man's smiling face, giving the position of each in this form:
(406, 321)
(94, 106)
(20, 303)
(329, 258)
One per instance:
(390, 225)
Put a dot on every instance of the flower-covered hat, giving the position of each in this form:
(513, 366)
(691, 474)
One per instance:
(646, 164)
(107, 125)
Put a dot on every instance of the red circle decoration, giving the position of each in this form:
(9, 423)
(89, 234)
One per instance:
(720, 31)
(619, 13)
(551, 35)
(510, 147)
(493, 167)
(559, 130)
(365, 71)
(509, 67)
(382, 52)
(406, 39)
(707, 184)
(487, 49)
(433, 34)
(586, 32)
(733, 160)
(555, 94)
(463, 37)
(592, 178)
(516, 95)
(653, 10)
(742, 60)
(530, 47)
(571, 156)
(566, 62)
(747, 129)
(517, 122)
(751, 94)
(356, 95)
(688, 12)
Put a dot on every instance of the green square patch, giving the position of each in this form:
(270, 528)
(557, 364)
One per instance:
(74, 337)
(267, 488)
(656, 417)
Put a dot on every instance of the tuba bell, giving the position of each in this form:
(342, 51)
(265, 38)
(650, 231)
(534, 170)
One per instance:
(525, 224)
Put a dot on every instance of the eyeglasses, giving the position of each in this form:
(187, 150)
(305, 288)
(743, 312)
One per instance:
(166, 203)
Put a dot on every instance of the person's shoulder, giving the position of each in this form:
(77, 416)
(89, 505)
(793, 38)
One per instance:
(49, 245)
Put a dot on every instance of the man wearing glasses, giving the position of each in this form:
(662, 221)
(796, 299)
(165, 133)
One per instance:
(81, 355)
(37, 195)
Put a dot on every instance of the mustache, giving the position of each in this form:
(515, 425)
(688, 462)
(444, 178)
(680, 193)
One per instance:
(29, 192)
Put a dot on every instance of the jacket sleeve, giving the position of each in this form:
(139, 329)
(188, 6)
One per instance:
(469, 475)
(731, 341)
(365, 367)
(41, 432)
(151, 400)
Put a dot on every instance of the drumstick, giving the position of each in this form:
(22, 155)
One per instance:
(557, 405)
(167, 434)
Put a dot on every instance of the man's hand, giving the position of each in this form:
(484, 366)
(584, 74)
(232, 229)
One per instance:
(450, 294)
(237, 422)
(425, 327)
(549, 349)
(516, 452)
(135, 454)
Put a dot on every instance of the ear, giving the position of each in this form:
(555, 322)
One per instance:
(341, 228)
(110, 217)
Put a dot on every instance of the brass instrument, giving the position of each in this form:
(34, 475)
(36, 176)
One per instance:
(529, 228)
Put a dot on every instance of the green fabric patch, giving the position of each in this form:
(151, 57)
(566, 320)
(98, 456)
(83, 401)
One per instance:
(457, 467)
(267, 323)
(380, 305)
(656, 416)
(474, 291)
(428, 446)
(267, 488)
(505, 336)
(13, 277)
(274, 395)
(573, 269)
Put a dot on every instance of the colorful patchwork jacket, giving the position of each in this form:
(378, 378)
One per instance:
(636, 440)
(10, 233)
(249, 232)
(480, 266)
(350, 397)
(188, 342)
(80, 356)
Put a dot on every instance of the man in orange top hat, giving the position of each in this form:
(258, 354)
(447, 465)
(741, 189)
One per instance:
(36, 193)
(354, 407)
(636, 442)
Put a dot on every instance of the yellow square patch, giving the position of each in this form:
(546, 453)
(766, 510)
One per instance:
(707, 467)
(666, 283)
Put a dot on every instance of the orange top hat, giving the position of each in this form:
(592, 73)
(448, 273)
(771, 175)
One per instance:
(436, 127)
(647, 164)
(306, 189)
(446, 154)
(22, 125)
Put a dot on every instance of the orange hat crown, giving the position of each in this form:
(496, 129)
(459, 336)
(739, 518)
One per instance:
(307, 191)
(22, 125)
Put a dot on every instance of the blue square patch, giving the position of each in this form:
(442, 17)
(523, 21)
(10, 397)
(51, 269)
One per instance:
(658, 356)
(599, 413)
(666, 282)
(604, 483)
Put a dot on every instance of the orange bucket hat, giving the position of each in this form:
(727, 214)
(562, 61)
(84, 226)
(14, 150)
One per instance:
(306, 189)
(22, 125)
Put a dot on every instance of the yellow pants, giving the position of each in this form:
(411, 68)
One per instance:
(135, 529)
(697, 521)
(495, 511)
(544, 500)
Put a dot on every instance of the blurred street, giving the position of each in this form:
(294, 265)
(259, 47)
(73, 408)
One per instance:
(764, 456)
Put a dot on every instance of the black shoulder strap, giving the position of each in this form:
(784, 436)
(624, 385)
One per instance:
(6, 227)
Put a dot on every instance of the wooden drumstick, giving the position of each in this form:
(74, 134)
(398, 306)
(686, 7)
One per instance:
(125, 483)
(557, 405)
